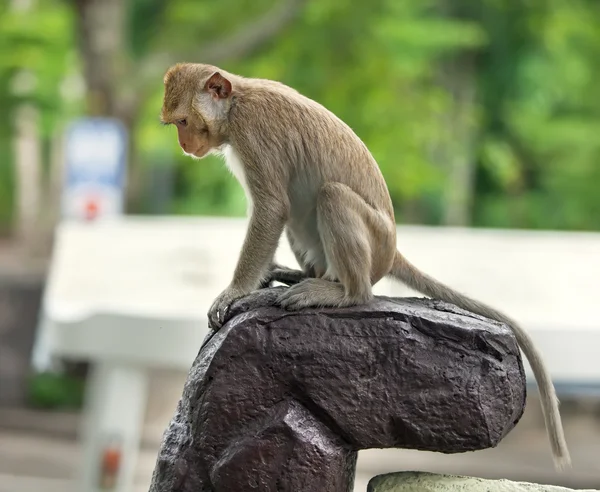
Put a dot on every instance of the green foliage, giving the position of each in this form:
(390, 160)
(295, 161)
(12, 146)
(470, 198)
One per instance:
(530, 135)
(38, 43)
(542, 166)
(36, 49)
(6, 187)
(55, 391)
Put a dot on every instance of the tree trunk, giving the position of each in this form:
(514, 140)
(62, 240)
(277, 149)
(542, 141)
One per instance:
(28, 159)
(117, 85)
(456, 151)
(27, 176)
(56, 175)
(101, 39)
(457, 74)
(101, 31)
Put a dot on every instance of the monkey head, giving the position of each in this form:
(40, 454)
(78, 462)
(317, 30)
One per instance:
(196, 100)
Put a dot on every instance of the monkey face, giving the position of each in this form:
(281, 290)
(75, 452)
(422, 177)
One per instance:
(194, 137)
(196, 101)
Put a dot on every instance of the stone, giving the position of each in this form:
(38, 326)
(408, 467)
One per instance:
(283, 401)
(432, 482)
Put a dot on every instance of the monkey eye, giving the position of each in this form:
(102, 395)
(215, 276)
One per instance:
(182, 122)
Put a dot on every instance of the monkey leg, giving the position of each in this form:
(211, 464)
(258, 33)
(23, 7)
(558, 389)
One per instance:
(359, 245)
(288, 276)
(309, 270)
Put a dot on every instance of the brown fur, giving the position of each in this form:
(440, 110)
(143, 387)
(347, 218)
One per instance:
(305, 172)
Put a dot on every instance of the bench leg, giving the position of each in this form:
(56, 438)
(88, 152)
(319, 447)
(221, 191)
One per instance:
(113, 418)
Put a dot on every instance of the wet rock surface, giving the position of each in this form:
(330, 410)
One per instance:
(282, 401)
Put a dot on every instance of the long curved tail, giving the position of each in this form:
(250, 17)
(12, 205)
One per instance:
(410, 275)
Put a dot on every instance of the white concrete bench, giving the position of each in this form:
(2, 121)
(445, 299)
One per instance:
(132, 293)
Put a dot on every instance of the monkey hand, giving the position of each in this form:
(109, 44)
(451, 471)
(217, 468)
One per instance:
(218, 311)
(287, 276)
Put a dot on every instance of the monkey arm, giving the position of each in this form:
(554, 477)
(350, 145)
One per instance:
(262, 237)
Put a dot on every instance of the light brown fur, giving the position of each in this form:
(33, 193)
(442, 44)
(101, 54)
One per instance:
(307, 173)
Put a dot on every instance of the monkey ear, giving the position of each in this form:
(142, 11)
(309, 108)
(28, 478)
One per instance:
(218, 86)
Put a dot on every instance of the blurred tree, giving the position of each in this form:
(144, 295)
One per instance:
(540, 150)
(455, 151)
(376, 65)
(33, 61)
(431, 86)
(121, 62)
(479, 112)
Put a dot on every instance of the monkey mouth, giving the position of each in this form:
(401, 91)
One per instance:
(195, 155)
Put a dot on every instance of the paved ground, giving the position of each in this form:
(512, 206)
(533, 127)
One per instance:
(33, 463)
(42, 454)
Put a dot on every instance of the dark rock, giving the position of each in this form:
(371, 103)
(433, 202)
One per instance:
(281, 401)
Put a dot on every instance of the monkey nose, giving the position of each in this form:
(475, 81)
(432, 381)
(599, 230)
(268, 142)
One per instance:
(183, 146)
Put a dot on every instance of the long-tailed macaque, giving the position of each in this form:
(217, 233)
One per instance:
(307, 173)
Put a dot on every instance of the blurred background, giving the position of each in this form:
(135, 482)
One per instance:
(484, 116)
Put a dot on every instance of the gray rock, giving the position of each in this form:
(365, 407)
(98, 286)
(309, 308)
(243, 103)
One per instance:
(282, 401)
(432, 482)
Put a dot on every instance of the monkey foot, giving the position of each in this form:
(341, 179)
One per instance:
(317, 292)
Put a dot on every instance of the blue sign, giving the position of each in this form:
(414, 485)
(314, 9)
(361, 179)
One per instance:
(96, 169)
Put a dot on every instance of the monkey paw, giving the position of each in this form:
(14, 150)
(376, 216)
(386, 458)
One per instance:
(287, 276)
(312, 292)
(217, 314)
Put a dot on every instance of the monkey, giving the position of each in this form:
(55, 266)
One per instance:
(307, 174)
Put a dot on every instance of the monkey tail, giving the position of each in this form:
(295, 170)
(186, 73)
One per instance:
(410, 275)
